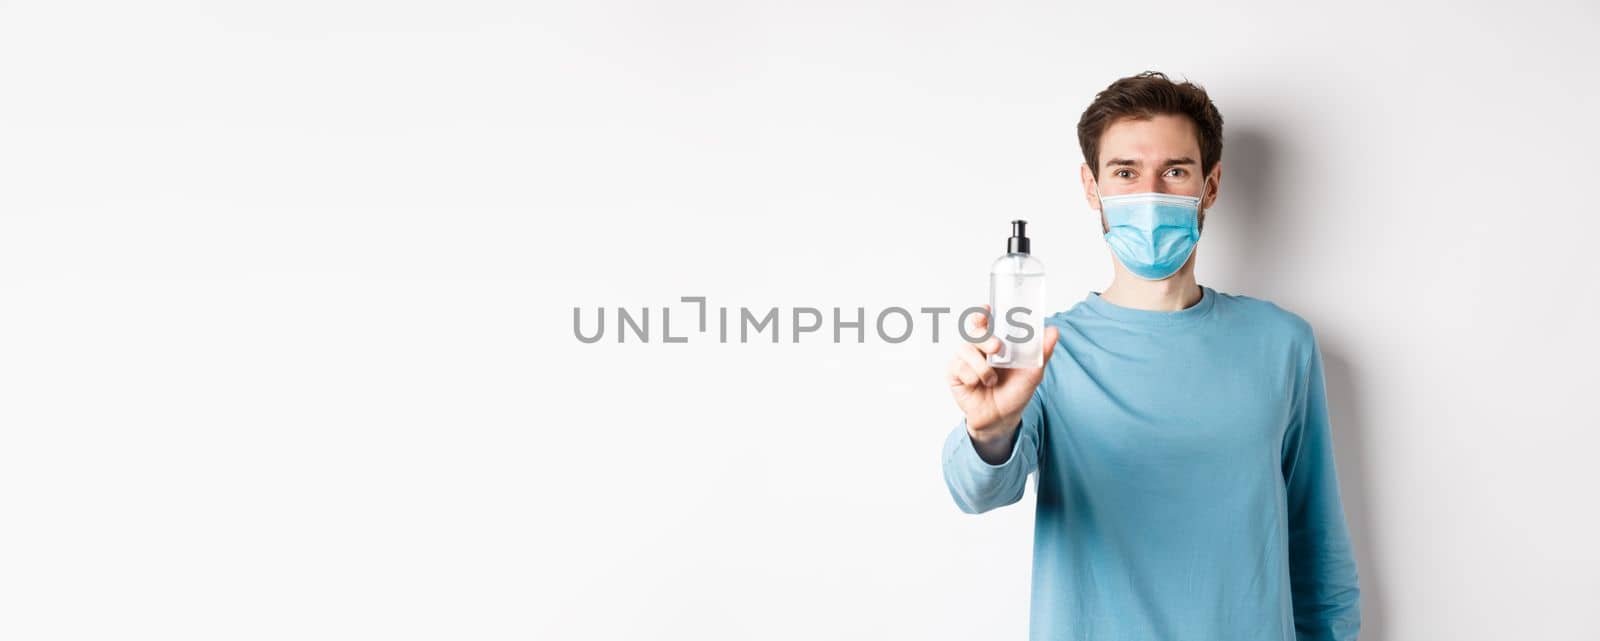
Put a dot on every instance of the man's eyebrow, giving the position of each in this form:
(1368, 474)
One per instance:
(1125, 162)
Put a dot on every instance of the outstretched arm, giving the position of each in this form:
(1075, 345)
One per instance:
(978, 485)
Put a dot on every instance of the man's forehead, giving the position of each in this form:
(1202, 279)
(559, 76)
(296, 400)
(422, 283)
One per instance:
(1159, 140)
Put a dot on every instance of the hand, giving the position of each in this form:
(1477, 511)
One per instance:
(993, 398)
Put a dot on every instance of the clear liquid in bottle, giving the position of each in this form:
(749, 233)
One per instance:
(1016, 303)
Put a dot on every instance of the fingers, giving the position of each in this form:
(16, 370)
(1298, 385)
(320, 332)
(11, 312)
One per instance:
(970, 367)
(961, 375)
(980, 325)
(978, 362)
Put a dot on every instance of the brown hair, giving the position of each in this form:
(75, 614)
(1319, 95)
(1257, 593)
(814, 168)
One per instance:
(1143, 97)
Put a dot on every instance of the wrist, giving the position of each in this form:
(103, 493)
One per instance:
(994, 446)
(999, 430)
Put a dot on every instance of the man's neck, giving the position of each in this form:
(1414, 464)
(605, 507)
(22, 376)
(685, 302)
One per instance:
(1173, 294)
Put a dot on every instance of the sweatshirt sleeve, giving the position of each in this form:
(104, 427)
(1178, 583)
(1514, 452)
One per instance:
(1322, 564)
(975, 484)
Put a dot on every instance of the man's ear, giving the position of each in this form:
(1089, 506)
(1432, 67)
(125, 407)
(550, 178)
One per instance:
(1086, 175)
(1210, 197)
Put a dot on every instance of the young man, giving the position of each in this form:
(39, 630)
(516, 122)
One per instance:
(1186, 483)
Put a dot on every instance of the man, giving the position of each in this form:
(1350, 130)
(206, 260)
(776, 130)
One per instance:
(1186, 484)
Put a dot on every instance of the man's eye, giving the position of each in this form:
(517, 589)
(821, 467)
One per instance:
(1123, 173)
(1177, 171)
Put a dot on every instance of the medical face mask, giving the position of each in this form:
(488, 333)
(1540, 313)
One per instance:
(1152, 233)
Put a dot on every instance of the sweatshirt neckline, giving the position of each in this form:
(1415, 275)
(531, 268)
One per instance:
(1187, 315)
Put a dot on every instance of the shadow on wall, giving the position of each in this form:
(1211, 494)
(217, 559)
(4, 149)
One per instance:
(1260, 222)
(1249, 197)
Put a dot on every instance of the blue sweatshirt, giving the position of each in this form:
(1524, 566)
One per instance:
(1186, 484)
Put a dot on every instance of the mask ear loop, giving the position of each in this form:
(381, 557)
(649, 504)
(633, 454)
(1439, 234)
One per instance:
(1099, 200)
(1097, 197)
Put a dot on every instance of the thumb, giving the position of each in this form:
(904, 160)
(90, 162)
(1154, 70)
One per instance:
(1035, 374)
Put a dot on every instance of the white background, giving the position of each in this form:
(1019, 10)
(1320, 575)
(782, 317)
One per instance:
(286, 296)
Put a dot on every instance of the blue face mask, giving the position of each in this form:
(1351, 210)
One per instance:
(1152, 233)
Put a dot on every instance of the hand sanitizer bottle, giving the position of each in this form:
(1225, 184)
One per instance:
(1016, 303)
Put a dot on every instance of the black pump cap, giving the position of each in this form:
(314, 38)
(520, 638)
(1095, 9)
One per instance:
(1018, 243)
